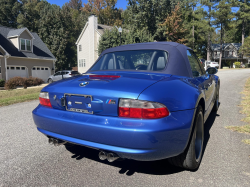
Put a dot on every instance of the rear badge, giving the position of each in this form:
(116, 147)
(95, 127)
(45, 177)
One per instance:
(69, 103)
(111, 101)
(84, 84)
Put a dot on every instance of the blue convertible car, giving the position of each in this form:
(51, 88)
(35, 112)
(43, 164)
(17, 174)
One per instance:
(146, 101)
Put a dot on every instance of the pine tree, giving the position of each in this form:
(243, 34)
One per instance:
(210, 5)
(243, 20)
(223, 16)
(245, 48)
(9, 10)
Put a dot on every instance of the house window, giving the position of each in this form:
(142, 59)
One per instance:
(80, 47)
(25, 45)
(17, 68)
(81, 63)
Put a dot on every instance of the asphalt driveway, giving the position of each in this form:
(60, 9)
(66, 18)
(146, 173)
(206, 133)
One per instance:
(26, 159)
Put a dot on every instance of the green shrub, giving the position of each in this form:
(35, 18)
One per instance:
(2, 82)
(248, 65)
(237, 64)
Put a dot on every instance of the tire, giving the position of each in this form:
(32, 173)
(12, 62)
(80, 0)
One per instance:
(190, 159)
(216, 103)
(50, 81)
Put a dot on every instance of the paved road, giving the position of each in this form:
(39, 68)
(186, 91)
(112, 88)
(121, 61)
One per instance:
(26, 159)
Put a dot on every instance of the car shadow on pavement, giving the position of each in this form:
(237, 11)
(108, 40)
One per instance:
(129, 167)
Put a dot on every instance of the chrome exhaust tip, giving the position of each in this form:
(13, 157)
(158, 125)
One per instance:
(51, 141)
(111, 157)
(102, 155)
(55, 142)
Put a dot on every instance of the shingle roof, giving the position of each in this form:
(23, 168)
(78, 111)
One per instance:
(15, 32)
(40, 50)
(216, 47)
(101, 28)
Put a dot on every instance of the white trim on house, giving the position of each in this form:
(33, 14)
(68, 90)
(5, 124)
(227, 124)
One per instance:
(77, 41)
(34, 58)
(6, 53)
(26, 45)
(98, 32)
(21, 33)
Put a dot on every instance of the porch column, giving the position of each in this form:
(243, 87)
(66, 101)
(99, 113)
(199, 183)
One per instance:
(5, 62)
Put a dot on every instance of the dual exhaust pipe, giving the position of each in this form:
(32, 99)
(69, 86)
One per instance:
(111, 157)
(56, 142)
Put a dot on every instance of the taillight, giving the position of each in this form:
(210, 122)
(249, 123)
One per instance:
(70, 74)
(44, 99)
(131, 108)
(110, 77)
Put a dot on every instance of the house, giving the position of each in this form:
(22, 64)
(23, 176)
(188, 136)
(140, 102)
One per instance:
(230, 53)
(87, 43)
(23, 53)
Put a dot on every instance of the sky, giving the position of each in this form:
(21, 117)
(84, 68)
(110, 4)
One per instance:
(120, 3)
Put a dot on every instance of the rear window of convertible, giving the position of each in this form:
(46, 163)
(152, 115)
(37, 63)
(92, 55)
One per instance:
(151, 60)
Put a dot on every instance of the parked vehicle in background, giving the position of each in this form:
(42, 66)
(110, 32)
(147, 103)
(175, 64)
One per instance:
(62, 74)
(210, 64)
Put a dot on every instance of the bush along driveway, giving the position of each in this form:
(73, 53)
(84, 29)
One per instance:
(245, 104)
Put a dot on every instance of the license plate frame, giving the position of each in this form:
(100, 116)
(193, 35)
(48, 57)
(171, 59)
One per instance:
(77, 109)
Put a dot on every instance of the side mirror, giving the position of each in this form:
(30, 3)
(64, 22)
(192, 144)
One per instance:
(211, 71)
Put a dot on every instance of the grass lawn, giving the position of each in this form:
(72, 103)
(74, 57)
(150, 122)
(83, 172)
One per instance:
(245, 104)
(18, 96)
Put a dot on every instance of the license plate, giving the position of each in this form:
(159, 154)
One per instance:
(78, 103)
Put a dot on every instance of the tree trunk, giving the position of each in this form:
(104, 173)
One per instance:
(193, 27)
(208, 38)
(221, 34)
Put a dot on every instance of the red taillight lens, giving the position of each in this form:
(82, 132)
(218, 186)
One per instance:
(110, 77)
(44, 99)
(142, 109)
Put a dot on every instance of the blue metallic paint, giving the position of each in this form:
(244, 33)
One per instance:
(129, 138)
(137, 139)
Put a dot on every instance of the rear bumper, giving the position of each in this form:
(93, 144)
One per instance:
(129, 138)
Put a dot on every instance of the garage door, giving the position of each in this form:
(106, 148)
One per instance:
(41, 72)
(17, 71)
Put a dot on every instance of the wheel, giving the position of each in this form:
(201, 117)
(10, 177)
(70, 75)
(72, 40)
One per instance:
(216, 103)
(190, 159)
(50, 81)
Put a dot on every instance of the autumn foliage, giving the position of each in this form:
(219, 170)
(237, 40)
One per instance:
(173, 24)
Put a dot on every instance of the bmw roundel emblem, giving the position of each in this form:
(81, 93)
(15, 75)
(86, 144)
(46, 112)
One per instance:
(84, 84)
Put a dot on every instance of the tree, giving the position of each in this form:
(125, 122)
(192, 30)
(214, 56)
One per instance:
(111, 38)
(29, 14)
(105, 11)
(210, 4)
(53, 33)
(223, 16)
(75, 4)
(144, 14)
(243, 20)
(9, 10)
(174, 29)
(245, 48)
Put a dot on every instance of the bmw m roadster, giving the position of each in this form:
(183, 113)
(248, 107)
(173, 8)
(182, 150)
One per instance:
(146, 102)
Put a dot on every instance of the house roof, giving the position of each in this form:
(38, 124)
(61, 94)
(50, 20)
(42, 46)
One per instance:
(216, 47)
(101, 28)
(40, 50)
(17, 32)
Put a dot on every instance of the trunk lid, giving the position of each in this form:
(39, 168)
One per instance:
(100, 95)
